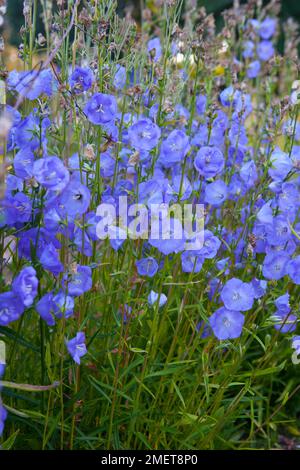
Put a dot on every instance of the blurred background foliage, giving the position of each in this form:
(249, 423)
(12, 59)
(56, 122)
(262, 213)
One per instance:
(15, 15)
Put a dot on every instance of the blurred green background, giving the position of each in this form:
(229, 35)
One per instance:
(15, 16)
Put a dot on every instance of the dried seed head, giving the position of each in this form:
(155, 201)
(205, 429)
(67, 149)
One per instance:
(41, 40)
(85, 18)
(89, 152)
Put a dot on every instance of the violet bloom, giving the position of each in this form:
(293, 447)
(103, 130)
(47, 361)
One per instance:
(144, 134)
(168, 238)
(259, 287)
(211, 245)
(226, 324)
(75, 199)
(265, 50)
(248, 173)
(203, 329)
(76, 347)
(281, 165)
(209, 161)
(283, 303)
(120, 77)
(231, 97)
(25, 285)
(181, 186)
(52, 306)
(285, 322)
(253, 69)
(275, 265)
(3, 416)
(79, 281)
(296, 344)
(18, 208)
(248, 49)
(23, 163)
(293, 270)
(237, 295)
(279, 232)
(153, 297)
(191, 261)
(147, 266)
(11, 307)
(201, 101)
(31, 84)
(154, 48)
(174, 148)
(216, 193)
(101, 109)
(267, 28)
(81, 79)
(51, 173)
(49, 259)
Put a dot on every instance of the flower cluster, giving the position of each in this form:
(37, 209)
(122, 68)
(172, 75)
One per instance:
(118, 135)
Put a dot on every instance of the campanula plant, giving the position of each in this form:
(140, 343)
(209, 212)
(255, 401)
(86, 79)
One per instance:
(134, 321)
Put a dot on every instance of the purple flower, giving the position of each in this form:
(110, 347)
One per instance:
(25, 285)
(285, 322)
(267, 28)
(209, 161)
(283, 303)
(51, 173)
(211, 245)
(216, 193)
(101, 108)
(279, 232)
(81, 79)
(75, 199)
(154, 47)
(174, 148)
(167, 238)
(253, 69)
(13, 183)
(3, 416)
(259, 287)
(182, 186)
(18, 208)
(78, 282)
(248, 49)
(226, 324)
(281, 165)
(144, 134)
(26, 133)
(296, 344)
(76, 347)
(31, 84)
(265, 50)
(237, 295)
(147, 266)
(63, 305)
(153, 297)
(191, 261)
(201, 101)
(52, 306)
(49, 259)
(11, 307)
(23, 163)
(120, 77)
(293, 270)
(231, 97)
(204, 329)
(44, 307)
(275, 264)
